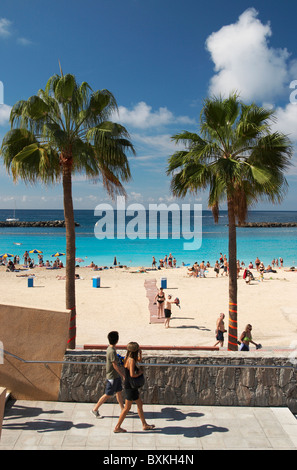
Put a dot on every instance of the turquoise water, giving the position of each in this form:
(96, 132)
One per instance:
(266, 243)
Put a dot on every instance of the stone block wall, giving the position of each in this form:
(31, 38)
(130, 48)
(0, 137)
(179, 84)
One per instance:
(178, 384)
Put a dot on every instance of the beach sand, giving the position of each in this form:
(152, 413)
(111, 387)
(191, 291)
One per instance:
(121, 304)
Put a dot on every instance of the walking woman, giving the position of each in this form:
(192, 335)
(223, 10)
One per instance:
(133, 355)
(246, 339)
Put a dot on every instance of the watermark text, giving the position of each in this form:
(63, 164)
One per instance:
(158, 221)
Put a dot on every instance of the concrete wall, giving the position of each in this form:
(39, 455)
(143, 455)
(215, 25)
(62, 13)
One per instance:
(32, 334)
(209, 386)
(2, 406)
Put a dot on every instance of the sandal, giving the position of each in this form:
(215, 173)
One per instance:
(119, 430)
(148, 427)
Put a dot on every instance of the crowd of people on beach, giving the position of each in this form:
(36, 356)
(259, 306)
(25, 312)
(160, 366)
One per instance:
(221, 266)
(28, 262)
(168, 261)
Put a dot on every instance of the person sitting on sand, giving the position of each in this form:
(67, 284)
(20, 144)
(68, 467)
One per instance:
(269, 269)
(77, 276)
(248, 276)
(10, 266)
(190, 271)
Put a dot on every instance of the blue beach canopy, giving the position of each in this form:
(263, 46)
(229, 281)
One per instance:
(58, 254)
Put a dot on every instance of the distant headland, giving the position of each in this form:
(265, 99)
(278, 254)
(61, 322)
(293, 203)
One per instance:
(46, 223)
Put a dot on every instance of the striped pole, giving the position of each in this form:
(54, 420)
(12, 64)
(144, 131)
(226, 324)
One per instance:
(72, 329)
(232, 335)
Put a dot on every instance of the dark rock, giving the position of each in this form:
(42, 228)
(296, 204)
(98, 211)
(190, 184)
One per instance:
(48, 223)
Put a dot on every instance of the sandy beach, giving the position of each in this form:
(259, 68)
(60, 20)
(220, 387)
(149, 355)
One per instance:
(121, 304)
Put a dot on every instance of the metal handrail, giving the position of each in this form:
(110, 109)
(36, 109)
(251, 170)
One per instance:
(162, 364)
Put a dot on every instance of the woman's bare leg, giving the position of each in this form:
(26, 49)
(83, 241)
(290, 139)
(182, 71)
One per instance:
(122, 416)
(145, 426)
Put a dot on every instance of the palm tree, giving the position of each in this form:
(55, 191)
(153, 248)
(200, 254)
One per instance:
(240, 160)
(65, 129)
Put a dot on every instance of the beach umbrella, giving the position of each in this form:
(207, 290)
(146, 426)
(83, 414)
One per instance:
(35, 251)
(6, 255)
(58, 254)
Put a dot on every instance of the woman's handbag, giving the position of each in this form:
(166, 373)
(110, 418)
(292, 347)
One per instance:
(137, 382)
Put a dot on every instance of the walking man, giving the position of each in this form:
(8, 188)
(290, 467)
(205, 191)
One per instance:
(113, 375)
(220, 330)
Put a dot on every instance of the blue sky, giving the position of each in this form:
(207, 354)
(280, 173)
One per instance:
(160, 58)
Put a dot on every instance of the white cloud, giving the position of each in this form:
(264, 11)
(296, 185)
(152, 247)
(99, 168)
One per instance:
(6, 31)
(135, 196)
(161, 142)
(287, 121)
(153, 150)
(24, 41)
(244, 61)
(5, 25)
(4, 114)
(141, 116)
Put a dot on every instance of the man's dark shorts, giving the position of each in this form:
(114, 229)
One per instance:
(220, 336)
(113, 386)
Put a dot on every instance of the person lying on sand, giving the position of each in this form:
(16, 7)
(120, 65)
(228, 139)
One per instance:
(77, 276)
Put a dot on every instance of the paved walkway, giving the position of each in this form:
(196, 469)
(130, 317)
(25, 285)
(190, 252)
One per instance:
(63, 426)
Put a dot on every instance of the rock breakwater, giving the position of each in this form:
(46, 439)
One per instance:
(269, 224)
(40, 223)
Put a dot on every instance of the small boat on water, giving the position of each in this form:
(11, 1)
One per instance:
(12, 219)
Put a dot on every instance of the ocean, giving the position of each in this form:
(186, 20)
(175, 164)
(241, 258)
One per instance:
(211, 239)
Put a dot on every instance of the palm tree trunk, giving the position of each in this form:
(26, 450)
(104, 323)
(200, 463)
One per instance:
(232, 333)
(70, 253)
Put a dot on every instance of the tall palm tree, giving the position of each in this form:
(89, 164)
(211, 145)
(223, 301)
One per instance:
(65, 129)
(240, 160)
